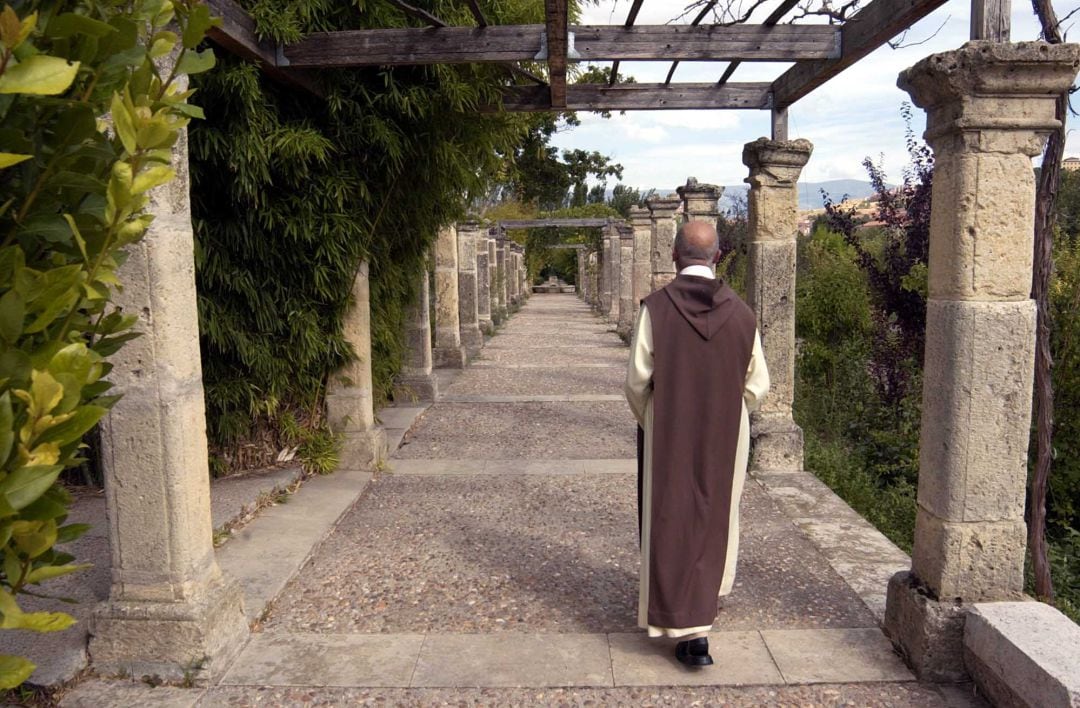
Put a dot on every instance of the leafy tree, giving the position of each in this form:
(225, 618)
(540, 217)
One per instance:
(74, 195)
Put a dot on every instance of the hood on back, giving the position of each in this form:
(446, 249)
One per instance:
(705, 303)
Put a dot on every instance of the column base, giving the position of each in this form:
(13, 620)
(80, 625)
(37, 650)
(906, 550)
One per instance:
(454, 358)
(422, 387)
(473, 341)
(193, 641)
(778, 444)
(487, 326)
(363, 449)
(928, 633)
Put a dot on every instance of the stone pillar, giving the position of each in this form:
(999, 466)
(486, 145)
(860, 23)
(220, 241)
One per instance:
(168, 603)
(609, 294)
(512, 281)
(662, 239)
(773, 216)
(498, 305)
(468, 306)
(483, 284)
(626, 280)
(500, 275)
(349, 400)
(642, 260)
(581, 275)
(417, 382)
(700, 201)
(989, 109)
(448, 352)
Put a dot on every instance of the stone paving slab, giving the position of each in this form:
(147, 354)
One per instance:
(238, 495)
(872, 695)
(531, 398)
(326, 660)
(612, 356)
(502, 660)
(742, 659)
(835, 656)
(523, 431)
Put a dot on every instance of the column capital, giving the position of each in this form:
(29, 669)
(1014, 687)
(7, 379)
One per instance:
(663, 206)
(776, 163)
(994, 90)
(625, 231)
(699, 199)
(470, 226)
(639, 216)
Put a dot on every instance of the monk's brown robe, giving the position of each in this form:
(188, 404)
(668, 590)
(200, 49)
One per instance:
(703, 337)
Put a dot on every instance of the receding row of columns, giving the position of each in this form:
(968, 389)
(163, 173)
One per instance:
(990, 107)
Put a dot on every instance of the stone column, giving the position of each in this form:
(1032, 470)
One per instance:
(773, 217)
(417, 381)
(349, 400)
(989, 109)
(594, 279)
(609, 294)
(662, 240)
(448, 352)
(512, 275)
(168, 603)
(581, 274)
(700, 201)
(483, 284)
(500, 275)
(498, 305)
(468, 306)
(626, 280)
(642, 260)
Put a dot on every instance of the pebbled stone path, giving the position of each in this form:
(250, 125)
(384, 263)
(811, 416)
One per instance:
(494, 563)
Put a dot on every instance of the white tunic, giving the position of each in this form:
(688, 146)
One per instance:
(638, 390)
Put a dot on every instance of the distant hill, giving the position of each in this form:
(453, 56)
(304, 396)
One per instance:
(809, 192)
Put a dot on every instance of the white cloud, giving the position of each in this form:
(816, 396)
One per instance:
(644, 133)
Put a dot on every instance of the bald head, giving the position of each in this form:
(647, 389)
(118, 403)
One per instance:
(696, 243)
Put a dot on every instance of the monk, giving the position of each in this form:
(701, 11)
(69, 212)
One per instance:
(696, 370)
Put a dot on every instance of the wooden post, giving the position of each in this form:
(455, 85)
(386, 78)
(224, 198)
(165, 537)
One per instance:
(990, 19)
(779, 124)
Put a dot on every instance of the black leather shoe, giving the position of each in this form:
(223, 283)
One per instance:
(694, 652)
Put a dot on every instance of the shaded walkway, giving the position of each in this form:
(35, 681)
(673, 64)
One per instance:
(499, 550)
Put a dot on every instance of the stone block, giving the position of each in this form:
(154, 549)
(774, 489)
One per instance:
(770, 286)
(973, 561)
(416, 387)
(194, 640)
(976, 409)
(449, 358)
(777, 444)
(1024, 654)
(363, 450)
(927, 633)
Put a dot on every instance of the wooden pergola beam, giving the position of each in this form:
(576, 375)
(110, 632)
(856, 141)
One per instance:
(641, 97)
(867, 30)
(772, 20)
(236, 35)
(506, 43)
(548, 223)
(697, 21)
(631, 17)
(557, 41)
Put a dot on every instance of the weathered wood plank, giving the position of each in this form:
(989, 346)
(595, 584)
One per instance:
(236, 35)
(557, 19)
(991, 19)
(459, 45)
(642, 97)
(867, 30)
(548, 223)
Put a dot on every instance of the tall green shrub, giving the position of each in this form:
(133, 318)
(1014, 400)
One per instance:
(292, 190)
(73, 192)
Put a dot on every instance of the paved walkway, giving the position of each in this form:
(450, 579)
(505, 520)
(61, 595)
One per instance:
(495, 562)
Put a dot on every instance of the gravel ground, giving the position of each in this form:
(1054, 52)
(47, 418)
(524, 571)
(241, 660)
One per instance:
(535, 554)
(883, 695)
(546, 381)
(503, 431)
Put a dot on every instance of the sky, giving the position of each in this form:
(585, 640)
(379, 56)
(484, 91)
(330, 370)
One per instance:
(854, 115)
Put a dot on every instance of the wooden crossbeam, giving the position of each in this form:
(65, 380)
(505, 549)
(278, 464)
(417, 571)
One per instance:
(697, 21)
(631, 17)
(236, 35)
(505, 43)
(867, 30)
(548, 223)
(774, 18)
(641, 97)
(557, 28)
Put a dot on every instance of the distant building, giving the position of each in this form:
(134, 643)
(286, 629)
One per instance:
(1071, 164)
